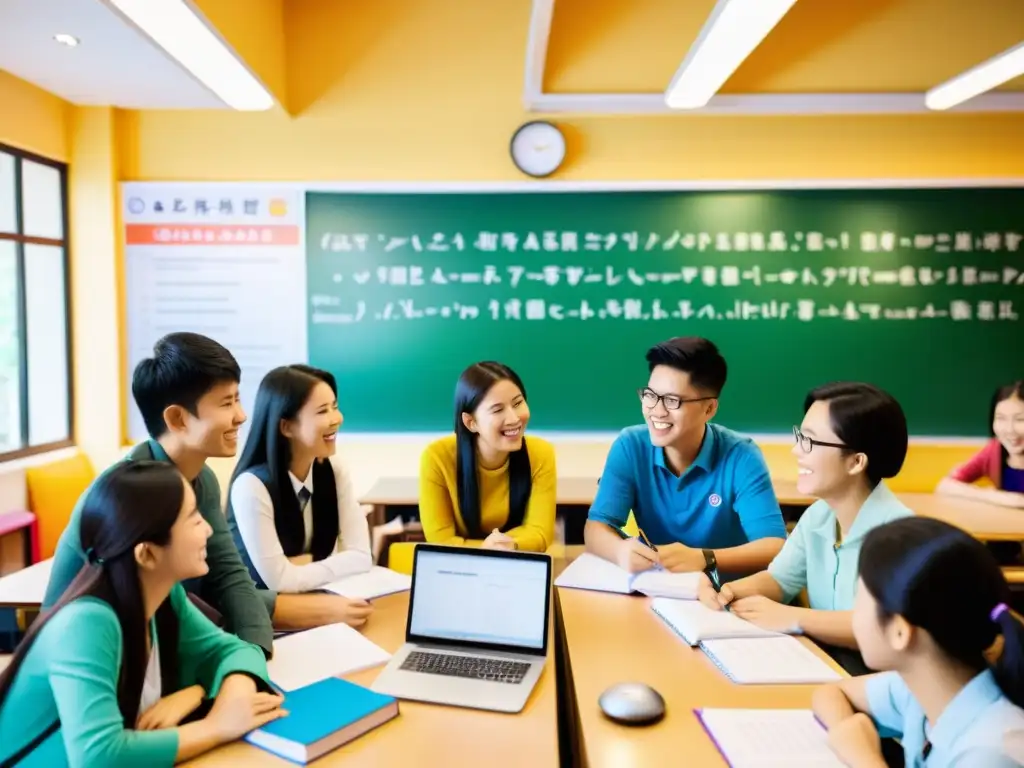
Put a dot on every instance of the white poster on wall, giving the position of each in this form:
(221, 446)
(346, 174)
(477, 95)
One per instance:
(223, 260)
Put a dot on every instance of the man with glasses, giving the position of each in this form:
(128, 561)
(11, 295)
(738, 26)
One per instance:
(700, 493)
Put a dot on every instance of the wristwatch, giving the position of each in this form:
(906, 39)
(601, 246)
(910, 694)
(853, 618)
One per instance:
(710, 561)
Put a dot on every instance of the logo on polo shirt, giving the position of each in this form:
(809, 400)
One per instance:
(715, 500)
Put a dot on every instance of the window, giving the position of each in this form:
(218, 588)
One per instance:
(35, 338)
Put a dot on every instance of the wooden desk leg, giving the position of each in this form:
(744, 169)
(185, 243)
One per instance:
(378, 516)
(571, 749)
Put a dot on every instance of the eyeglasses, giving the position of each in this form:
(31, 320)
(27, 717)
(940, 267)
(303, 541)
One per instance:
(650, 399)
(807, 443)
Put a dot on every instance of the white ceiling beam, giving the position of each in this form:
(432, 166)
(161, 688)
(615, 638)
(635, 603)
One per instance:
(767, 104)
(731, 33)
(977, 80)
(739, 104)
(541, 15)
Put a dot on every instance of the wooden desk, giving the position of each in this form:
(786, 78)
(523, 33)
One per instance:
(430, 735)
(405, 491)
(788, 495)
(612, 639)
(987, 522)
(26, 588)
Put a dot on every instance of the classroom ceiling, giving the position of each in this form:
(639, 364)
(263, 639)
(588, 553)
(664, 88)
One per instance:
(114, 63)
(595, 46)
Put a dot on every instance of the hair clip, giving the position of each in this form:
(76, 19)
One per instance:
(93, 558)
(998, 611)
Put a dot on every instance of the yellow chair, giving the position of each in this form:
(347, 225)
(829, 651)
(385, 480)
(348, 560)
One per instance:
(401, 555)
(53, 490)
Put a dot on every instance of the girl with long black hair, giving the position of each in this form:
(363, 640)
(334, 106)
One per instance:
(111, 673)
(487, 484)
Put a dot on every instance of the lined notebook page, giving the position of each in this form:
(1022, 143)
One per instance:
(769, 738)
(658, 582)
(694, 622)
(771, 660)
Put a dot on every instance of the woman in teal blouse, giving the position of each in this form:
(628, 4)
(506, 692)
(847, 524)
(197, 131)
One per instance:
(113, 673)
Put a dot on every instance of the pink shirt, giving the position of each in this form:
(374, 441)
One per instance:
(988, 462)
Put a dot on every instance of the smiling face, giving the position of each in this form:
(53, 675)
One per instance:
(213, 429)
(500, 419)
(314, 430)
(826, 471)
(1008, 425)
(675, 426)
(184, 555)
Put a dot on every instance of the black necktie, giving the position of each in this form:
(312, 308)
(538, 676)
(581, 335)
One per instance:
(304, 496)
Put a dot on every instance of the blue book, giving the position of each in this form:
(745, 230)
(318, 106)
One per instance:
(322, 717)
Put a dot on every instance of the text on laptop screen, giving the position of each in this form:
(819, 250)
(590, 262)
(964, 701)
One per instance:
(479, 599)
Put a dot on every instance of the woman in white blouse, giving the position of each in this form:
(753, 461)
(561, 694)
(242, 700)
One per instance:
(291, 496)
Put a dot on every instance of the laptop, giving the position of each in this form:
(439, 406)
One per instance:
(477, 632)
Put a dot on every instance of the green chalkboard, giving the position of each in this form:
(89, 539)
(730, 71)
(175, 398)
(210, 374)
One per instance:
(917, 290)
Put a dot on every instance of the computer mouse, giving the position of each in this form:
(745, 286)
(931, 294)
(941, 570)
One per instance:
(632, 704)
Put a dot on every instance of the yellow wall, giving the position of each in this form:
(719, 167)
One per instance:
(32, 119)
(431, 90)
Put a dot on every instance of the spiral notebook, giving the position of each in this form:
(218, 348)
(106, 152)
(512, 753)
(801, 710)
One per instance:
(592, 572)
(780, 660)
(769, 738)
(694, 622)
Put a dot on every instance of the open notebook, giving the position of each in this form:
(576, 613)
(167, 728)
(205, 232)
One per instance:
(769, 738)
(303, 658)
(744, 652)
(592, 572)
(376, 582)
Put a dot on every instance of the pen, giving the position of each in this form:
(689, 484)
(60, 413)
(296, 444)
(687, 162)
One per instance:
(716, 583)
(646, 540)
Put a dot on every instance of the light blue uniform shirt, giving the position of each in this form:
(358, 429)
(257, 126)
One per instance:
(811, 559)
(724, 499)
(979, 728)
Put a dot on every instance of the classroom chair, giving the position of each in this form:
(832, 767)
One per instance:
(53, 490)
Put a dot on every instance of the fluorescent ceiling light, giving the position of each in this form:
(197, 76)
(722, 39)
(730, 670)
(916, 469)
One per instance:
(64, 39)
(731, 33)
(175, 27)
(984, 77)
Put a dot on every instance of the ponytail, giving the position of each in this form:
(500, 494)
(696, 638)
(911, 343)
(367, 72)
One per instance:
(1009, 667)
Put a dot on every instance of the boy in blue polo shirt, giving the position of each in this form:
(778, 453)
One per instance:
(700, 493)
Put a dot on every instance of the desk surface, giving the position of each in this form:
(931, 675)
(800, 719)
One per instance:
(26, 588)
(984, 521)
(615, 638)
(429, 735)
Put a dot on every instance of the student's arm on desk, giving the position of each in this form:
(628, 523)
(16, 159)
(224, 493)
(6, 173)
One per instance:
(948, 486)
(616, 497)
(311, 609)
(437, 512)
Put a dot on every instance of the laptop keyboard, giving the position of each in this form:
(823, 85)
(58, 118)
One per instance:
(475, 667)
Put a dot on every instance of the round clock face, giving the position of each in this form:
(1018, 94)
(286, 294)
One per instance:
(538, 148)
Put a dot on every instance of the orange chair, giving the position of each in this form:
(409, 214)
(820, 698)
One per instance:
(53, 490)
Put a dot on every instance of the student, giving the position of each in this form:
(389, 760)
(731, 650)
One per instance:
(853, 436)
(487, 485)
(699, 492)
(111, 675)
(187, 394)
(291, 495)
(930, 602)
(1001, 461)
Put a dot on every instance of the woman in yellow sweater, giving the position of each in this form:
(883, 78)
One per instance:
(486, 485)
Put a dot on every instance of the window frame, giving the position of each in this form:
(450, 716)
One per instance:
(20, 240)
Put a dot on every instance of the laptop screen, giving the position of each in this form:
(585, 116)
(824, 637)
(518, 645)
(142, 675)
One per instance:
(474, 598)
